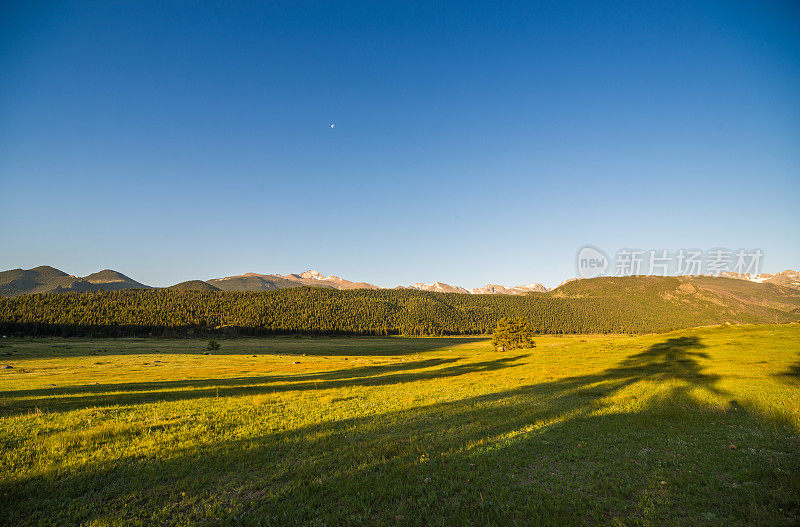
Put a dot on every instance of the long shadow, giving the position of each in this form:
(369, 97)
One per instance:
(673, 359)
(74, 397)
(281, 345)
(792, 374)
(536, 454)
(344, 373)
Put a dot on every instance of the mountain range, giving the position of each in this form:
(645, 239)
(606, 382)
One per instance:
(488, 289)
(266, 282)
(786, 278)
(631, 304)
(46, 279)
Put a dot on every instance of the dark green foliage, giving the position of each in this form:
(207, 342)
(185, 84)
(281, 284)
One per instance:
(213, 345)
(511, 333)
(620, 305)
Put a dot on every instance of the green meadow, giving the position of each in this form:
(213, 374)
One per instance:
(694, 427)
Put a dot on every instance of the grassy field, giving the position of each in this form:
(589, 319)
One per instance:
(693, 427)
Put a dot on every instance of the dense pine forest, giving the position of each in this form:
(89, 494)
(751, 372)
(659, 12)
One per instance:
(629, 305)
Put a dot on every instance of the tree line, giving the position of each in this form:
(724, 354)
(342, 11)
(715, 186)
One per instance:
(317, 311)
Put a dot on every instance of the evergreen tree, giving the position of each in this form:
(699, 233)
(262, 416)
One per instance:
(511, 333)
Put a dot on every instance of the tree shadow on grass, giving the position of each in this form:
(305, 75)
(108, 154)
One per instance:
(792, 374)
(89, 396)
(673, 359)
(538, 454)
(281, 345)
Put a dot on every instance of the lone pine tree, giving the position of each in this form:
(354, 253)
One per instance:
(511, 333)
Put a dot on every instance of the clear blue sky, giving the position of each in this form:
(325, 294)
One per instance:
(182, 140)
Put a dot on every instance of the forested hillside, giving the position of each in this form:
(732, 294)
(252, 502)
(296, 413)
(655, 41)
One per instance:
(603, 305)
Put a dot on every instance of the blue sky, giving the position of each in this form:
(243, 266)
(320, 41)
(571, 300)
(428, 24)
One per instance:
(473, 144)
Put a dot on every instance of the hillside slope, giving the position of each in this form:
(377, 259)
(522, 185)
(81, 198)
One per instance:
(46, 279)
(729, 296)
(601, 305)
(193, 285)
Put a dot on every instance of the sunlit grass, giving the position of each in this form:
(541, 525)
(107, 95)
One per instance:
(698, 427)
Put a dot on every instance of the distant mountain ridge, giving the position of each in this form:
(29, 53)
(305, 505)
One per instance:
(193, 285)
(488, 289)
(438, 287)
(46, 279)
(266, 282)
(494, 289)
(786, 278)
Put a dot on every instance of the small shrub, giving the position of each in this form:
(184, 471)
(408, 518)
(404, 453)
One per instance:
(213, 345)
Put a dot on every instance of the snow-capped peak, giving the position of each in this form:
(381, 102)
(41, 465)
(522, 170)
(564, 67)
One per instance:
(786, 278)
(438, 287)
